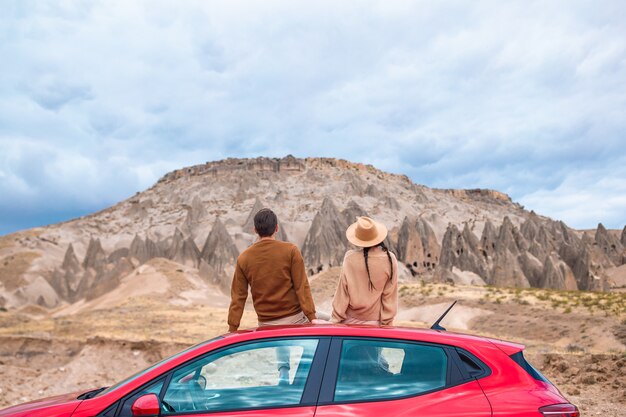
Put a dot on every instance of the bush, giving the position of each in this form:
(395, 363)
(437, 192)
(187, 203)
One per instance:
(573, 347)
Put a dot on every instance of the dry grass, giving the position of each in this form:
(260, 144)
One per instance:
(605, 303)
(136, 320)
(544, 320)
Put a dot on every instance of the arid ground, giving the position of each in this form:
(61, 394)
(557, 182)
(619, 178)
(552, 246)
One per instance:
(577, 339)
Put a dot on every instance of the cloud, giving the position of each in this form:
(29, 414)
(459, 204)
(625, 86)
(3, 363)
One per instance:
(585, 197)
(99, 99)
(54, 94)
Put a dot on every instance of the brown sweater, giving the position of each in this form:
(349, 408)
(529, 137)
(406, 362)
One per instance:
(275, 272)
(354, 299)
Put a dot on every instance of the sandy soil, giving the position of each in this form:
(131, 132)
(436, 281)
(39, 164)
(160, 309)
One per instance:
(460, 320)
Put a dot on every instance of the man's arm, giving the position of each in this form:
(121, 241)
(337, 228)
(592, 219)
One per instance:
(301, 284)
(238, 296)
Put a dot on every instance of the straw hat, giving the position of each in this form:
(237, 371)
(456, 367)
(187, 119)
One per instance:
(366, 232)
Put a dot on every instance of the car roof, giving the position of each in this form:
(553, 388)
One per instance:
(407, 333)
(469, 342)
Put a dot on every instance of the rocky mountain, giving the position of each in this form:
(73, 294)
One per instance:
(201, 218)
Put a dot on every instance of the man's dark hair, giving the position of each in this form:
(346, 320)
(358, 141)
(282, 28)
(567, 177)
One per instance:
(265, 222)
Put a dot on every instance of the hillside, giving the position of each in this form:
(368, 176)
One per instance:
(86, 302)
(199, 218)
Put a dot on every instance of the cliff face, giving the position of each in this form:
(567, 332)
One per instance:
(201, 217)
(479, 194)
(233, 166)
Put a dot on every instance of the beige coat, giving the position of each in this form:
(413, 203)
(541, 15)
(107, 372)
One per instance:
(354, 301)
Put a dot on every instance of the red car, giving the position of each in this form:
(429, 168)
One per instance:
(326, 370)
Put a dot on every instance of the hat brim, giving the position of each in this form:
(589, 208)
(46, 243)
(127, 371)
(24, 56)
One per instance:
(381, 234)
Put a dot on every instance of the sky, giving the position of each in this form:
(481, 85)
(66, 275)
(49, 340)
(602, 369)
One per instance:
(99, 99)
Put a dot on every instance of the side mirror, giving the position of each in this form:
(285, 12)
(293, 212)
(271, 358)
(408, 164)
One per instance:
(146, 406)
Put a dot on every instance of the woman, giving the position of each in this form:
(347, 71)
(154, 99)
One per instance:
(367, 292)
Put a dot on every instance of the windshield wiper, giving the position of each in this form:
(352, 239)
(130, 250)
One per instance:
(90, 394)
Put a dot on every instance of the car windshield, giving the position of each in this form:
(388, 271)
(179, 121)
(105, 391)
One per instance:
(145, 371)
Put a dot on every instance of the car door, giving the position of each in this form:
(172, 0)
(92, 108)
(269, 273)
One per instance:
(258, 378)
(386, 377)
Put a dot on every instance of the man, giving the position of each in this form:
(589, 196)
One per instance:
(275, 272)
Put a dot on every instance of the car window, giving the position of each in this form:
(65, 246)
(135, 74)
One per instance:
(531, 370)
(256, 375)
(379, 369)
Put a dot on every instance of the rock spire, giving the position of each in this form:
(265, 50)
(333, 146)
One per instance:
(95, 256)
(220, 252)
(325, 243)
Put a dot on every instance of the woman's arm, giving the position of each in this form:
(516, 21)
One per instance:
(389, 300)
(341, 301)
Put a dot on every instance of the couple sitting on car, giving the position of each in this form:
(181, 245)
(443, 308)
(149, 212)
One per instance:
(367, 292)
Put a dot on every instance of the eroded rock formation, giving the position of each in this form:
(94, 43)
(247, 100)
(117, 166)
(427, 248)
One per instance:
(557, 275)
(220, 252)
(100, 273)
(458, 249)
(196, 212)
(248, 226)
(95, 256)
(610, 245)
(184, 250)
(542, 253)
(67, 279)
(325, 243)
(417, 246)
